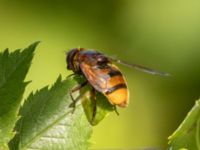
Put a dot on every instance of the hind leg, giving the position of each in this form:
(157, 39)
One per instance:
(93, 94)
(115, 109)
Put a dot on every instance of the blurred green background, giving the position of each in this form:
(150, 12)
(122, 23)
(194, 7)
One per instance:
(161, 34)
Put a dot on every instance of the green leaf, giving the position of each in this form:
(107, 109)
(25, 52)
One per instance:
(187, 136)
(89, 102)
(13, 69)
(47, 123)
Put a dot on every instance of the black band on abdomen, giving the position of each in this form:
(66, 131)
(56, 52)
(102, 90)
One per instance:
(116, 87)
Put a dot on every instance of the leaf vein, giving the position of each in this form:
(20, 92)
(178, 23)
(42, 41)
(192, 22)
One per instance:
(44, 130)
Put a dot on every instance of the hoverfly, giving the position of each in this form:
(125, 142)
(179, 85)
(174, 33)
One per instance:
(102, 74)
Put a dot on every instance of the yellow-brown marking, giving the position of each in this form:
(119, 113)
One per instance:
(118, 97)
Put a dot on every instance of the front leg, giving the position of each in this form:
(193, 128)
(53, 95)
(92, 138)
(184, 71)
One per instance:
(74, 101)
(71, 75)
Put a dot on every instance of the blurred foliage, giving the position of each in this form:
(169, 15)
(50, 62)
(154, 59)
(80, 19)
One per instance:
(163, 35)
(187, 136)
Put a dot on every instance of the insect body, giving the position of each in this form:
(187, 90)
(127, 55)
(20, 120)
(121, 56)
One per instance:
(100, 73)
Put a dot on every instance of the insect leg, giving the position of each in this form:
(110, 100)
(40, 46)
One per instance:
(93, 93)
(115, 109)
(73, 104)
(69, 76)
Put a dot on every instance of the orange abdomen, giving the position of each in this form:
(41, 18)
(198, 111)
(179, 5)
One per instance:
(117, 92)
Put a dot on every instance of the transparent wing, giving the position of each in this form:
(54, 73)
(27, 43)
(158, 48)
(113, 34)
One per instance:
(139, 67)
(96, 77)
